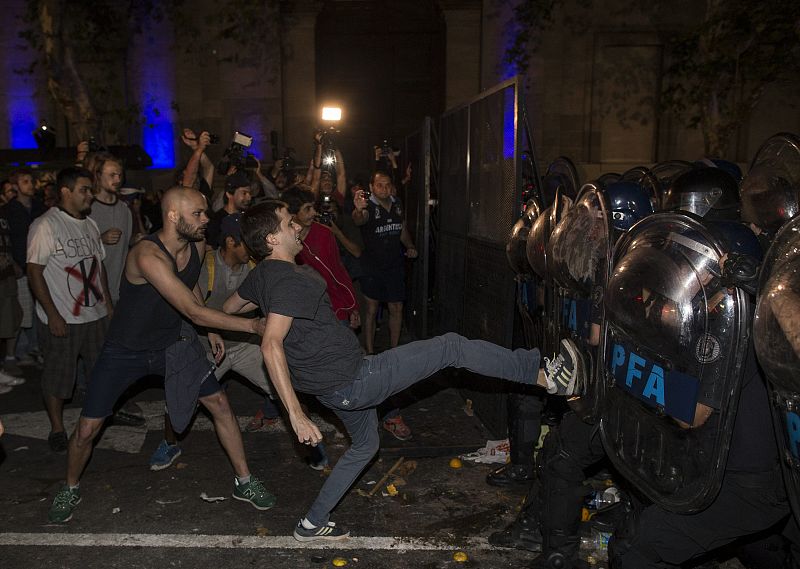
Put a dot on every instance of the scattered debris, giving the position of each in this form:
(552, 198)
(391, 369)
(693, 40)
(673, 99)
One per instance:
(339, 562)
(468, 408)
(386, 476)
(181, 466)
(168, 502)
(20, 448)
(261, 531)
(116, 511)
(456, 463)
(495, 452)
(391, 490)
(208, 498)
(460, 557)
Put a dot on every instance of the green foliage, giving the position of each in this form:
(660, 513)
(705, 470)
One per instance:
(717, 65)
(99, 32)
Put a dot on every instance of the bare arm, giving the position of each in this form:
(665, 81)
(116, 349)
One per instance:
(106, 291)
(351, 247)
(56, 323)
(237, 305)
(151, 264)
(360, 213)
(341, 174)
(408, 243)
(275, 332)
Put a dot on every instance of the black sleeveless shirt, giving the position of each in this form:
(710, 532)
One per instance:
(143, 319)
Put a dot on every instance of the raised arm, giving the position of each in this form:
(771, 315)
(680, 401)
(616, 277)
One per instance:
(341, 173)
(275, 332)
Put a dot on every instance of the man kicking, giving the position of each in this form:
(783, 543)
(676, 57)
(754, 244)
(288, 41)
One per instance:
(307, 349)
(155, 296)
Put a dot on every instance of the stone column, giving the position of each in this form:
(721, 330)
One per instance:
(299, 76)
(463, 57)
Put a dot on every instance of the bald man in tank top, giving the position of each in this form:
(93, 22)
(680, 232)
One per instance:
(158, 291)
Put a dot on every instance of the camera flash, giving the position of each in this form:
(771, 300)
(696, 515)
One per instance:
(331, 113)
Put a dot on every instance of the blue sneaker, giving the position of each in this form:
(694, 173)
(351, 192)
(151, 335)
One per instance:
(164, 456)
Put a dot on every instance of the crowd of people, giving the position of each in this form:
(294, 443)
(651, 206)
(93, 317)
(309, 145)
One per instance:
(103, 285)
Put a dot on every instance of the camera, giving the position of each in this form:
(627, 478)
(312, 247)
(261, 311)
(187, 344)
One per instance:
(288, 162)
(387, 150)
(327, 210)
(236, 154)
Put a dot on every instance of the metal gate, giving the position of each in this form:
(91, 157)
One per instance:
(479, 200)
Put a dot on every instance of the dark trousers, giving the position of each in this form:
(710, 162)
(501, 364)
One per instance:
(747, 503)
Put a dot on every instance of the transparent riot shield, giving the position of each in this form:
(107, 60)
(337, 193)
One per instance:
(675, 345)
(777, 341)
(580, 254)
(770, 191)
(537, 253)
(527, 301)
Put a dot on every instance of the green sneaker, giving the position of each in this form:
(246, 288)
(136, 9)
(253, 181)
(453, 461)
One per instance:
(253, 492)
(64, 503)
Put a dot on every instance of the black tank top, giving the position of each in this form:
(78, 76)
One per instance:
(143, 319)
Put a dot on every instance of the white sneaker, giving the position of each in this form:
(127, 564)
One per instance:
(10, 380)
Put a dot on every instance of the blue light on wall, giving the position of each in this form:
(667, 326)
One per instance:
(158, 140)
(154, 77)
(21, 119)
(509, 130)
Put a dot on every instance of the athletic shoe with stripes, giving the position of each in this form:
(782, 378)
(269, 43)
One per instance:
(328, 532)
(565, 372)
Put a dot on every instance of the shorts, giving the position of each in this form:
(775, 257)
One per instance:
(118, 368)
(245, 359)
(61, 354)
(385, 286)
(10, 316)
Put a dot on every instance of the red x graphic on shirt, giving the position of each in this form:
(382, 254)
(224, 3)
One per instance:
(88, 286)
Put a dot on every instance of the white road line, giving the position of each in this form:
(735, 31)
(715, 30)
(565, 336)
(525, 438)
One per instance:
(232, 542)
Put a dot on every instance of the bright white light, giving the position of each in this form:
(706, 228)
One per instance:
(328, 160)
(44, 127)
(331, 113)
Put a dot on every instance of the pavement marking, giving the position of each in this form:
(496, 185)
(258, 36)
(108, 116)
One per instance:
(35, 425)
(234, 542)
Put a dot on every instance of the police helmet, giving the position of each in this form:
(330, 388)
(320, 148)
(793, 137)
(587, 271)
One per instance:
(730, 167)
(629, 202)
(710, 193)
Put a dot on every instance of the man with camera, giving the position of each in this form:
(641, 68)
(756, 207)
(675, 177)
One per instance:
(237, 199)
(387, 243)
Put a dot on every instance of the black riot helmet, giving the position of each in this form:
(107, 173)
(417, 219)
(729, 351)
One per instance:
(710, 193)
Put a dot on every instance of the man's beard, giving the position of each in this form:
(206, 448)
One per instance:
(189, 232)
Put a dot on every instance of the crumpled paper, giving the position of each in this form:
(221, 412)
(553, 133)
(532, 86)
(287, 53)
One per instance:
(495, 452)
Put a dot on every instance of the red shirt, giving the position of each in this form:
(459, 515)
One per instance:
(321, 253)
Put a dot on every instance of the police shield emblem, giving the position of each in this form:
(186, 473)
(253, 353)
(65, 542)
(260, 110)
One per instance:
(675, 345)
(777, 341)
(580, 254)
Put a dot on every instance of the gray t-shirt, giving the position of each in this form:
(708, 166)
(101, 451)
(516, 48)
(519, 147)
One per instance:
(225, 282)
(114, 216)
(323, 355)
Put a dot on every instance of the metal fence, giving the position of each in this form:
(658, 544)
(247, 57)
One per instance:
(468, 196)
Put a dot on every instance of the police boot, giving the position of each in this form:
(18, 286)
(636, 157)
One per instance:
(561, 553)
(525, 417)
(524, 533)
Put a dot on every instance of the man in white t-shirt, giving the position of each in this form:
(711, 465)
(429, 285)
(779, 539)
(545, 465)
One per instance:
(66, 273)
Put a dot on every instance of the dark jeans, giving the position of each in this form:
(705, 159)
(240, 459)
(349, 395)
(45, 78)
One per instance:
(392, 371)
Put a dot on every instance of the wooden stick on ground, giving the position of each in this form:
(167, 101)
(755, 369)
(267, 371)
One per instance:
(386, 476)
